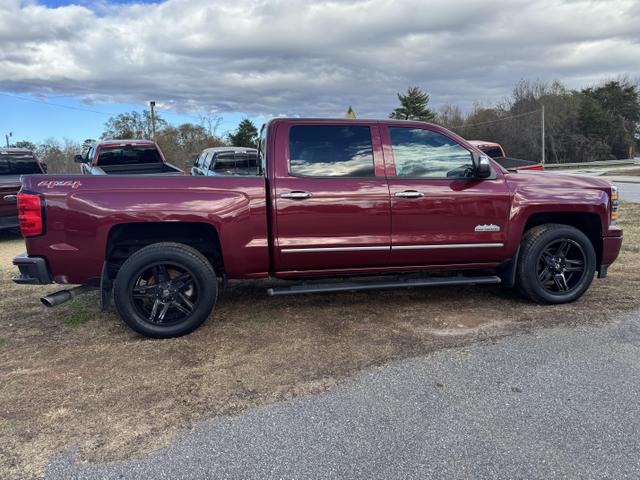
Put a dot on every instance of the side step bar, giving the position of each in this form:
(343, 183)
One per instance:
(374, 285)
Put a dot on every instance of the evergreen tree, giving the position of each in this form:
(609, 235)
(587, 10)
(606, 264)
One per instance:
(246, 135)
(413, 106)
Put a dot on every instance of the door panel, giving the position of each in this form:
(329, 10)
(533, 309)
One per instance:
(442, 226)
(334, 221)
(439, 215)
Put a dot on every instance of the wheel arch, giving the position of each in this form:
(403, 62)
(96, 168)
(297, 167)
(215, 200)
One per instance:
(126, 238)
(588, 223)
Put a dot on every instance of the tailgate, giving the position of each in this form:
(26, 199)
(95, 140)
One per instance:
(8, 188)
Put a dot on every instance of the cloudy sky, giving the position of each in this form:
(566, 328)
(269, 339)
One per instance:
(296, 57)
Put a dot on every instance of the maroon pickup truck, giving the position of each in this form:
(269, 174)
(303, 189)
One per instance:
(125, 157)
(383, 203)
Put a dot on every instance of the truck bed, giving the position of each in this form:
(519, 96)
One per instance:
(511, 163)
(140, 169)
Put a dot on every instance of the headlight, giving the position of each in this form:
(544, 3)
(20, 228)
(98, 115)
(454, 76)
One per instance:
(614, 204)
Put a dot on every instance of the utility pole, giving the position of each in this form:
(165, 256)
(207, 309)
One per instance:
(543, 155)
(7, 136)
(153, 119)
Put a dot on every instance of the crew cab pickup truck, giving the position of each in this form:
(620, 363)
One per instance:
(13, 163)
(377, 204)
(125, 157)
(495, 151)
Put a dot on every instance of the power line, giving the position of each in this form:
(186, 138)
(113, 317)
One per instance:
(69, 107)
(498, 120)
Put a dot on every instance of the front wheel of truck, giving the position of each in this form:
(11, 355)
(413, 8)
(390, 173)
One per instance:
(557, 264)
(165, 290)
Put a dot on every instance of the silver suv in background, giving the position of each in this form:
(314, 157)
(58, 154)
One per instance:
(225, 161)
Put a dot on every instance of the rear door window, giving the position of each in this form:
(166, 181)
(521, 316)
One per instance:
(18, 164)
(128, 155)
(331, 151)
(236, 163)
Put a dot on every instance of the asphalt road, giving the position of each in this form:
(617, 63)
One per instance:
(562, 402)
(629, 191)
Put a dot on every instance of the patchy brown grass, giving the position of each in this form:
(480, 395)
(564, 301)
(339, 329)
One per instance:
(74, 376)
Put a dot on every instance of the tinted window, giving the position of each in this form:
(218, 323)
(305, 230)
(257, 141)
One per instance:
(198, 162)
(18, 165)
(128, 155)
(331, 151)
(236, 163)
(206, 160)
(493, 152)
(423, 153)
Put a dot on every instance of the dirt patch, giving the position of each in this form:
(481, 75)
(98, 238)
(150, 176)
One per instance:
(74, 376)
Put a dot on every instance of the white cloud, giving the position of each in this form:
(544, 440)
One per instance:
(311, 57)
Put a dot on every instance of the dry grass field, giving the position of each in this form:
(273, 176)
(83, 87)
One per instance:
(73, 376)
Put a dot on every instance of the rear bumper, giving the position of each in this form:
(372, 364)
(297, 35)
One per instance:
(10, 221)
(33, 270)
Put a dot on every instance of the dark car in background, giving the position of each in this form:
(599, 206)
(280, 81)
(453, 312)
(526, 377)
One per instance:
(226, 161)
(14, 162)
(125, 157)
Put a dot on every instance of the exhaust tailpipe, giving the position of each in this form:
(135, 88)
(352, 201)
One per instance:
(55, 299)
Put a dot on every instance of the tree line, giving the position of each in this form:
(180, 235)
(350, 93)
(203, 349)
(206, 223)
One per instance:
(600, 122)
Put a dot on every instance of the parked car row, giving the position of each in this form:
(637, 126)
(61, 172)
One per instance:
(144, 157)
(117, 157)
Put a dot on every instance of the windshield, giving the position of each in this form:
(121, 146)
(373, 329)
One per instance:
(128, 155)
(18, 164)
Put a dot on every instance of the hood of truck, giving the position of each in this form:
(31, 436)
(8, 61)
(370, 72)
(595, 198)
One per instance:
(542, 181)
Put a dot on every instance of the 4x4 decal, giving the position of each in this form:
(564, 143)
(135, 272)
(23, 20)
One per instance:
(60, 183)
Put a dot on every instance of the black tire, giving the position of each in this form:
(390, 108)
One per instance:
(164, 274)
(544, 275)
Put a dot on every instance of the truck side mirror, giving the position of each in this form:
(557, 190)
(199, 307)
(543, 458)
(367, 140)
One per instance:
(78, 159)
(483, 166)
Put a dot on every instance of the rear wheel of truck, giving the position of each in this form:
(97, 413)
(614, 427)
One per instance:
(557, 264)
(165, 290)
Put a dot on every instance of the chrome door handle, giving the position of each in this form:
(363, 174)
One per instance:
(295, 195)
(409, 194)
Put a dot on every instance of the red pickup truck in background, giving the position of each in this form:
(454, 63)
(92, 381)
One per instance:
(125, 157)
(495, 151)
(333, 198)
(14, 162)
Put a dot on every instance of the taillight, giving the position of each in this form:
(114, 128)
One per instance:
(30, 214)
(614, 204)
